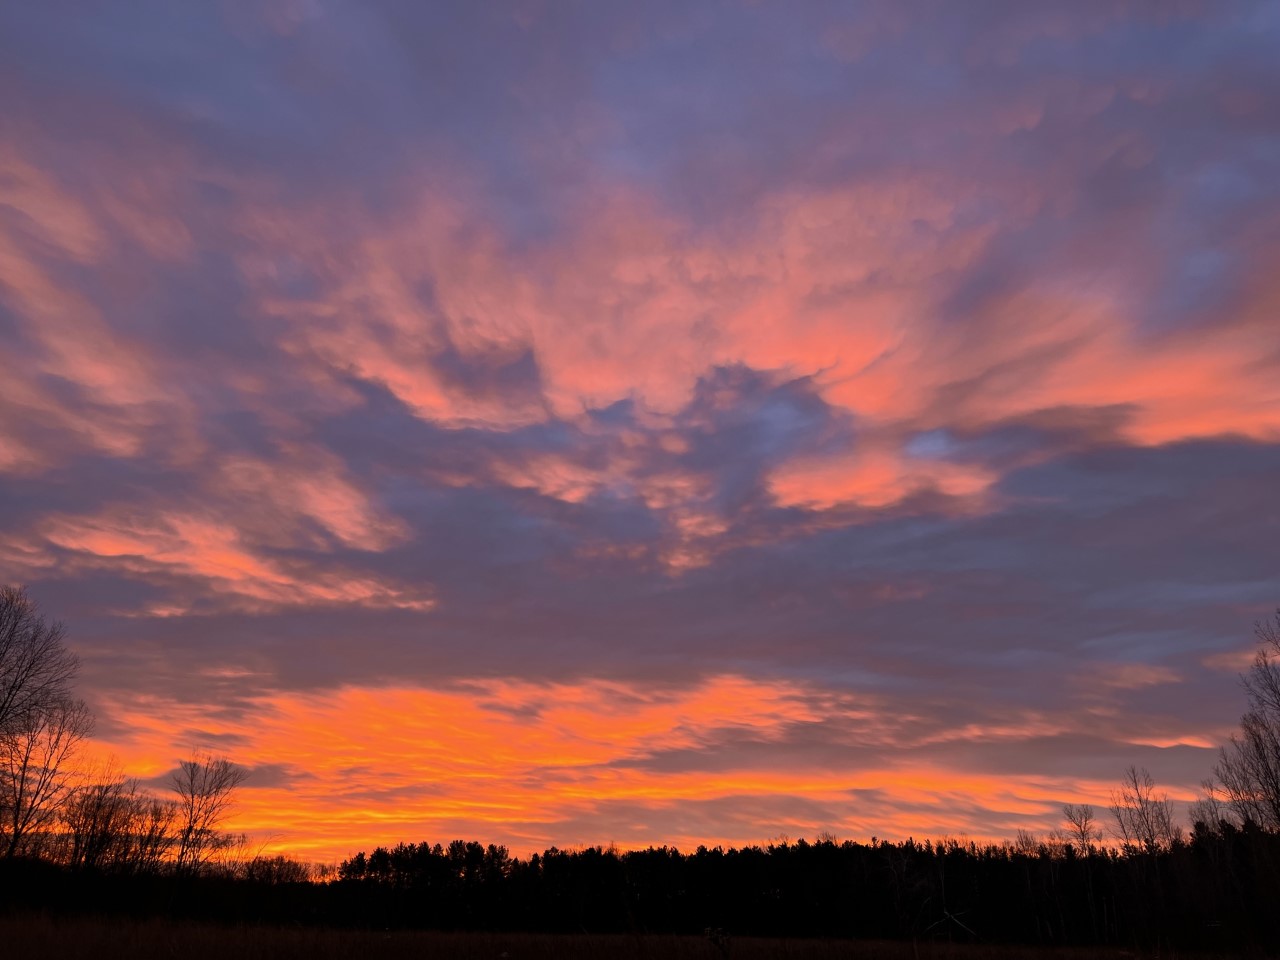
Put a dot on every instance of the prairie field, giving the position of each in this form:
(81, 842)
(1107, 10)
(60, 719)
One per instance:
(40, 936)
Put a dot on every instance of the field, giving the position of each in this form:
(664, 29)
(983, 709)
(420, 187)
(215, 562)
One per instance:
(38, 937)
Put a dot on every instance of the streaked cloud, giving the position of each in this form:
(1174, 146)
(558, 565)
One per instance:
(699, 422)
(533, 764)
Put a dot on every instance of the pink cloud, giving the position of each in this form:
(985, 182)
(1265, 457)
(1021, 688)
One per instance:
(219, 559)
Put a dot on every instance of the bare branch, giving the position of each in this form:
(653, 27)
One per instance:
(34, 772)
(1084, 831)
(1143, 819)
(36, 668)
(1248, 766)
(205, 786)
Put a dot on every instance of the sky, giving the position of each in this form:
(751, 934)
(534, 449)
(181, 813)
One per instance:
(573, 423)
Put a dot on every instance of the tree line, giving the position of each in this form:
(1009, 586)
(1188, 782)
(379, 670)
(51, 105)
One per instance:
(1155, 885)
(101, 841)
(1212, 891)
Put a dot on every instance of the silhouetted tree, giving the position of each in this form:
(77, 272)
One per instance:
(152, 832)
(276, 870)
(205, 786)
(95, 820)
(1083, 830)
(34, 754)
(110, 824)
(36, 668)
(40, 725)
(1212, 809)
(1249, 766)
(1143, 819)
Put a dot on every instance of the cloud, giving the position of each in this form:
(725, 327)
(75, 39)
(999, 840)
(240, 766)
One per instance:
(574, 368)
(532, 764)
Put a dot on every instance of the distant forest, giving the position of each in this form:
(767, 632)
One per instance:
(1214, 891)
(75, 842)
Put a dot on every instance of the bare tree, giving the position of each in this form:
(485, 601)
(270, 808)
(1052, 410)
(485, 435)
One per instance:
(1212, 809)
(1143, 819)
(1249, 766)
(205, 786)
(152, 833)
(1027, 843)
(95, 819)
(34, 771)
(36, 668)
(277, 870)
(1083, 829)
(110, 824)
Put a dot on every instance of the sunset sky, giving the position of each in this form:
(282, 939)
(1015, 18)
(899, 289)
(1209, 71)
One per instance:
(588, 422)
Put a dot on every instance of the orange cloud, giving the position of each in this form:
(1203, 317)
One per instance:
(532, 764)
(272, 498)
(1231, 661)
(74, 340)
(214, 553)
(1133, 676)
(876, 478)
(840, 285)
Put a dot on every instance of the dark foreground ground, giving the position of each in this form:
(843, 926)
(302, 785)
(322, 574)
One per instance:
(38, 937)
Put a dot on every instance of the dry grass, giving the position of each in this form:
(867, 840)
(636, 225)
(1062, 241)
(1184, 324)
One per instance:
(39, 937)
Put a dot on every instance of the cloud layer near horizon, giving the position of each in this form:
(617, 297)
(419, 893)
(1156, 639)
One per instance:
(565, 424)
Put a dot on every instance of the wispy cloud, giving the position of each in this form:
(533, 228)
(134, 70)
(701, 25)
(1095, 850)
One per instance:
(737, 409)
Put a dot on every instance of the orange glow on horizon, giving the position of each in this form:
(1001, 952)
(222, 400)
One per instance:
(535, 765)
(872, 455)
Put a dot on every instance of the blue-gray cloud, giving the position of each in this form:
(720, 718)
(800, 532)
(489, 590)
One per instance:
(911, 352)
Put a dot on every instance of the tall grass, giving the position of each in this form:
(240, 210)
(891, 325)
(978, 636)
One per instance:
(37, 937)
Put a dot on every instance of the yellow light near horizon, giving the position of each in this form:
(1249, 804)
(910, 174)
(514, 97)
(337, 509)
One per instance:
(534, 765)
